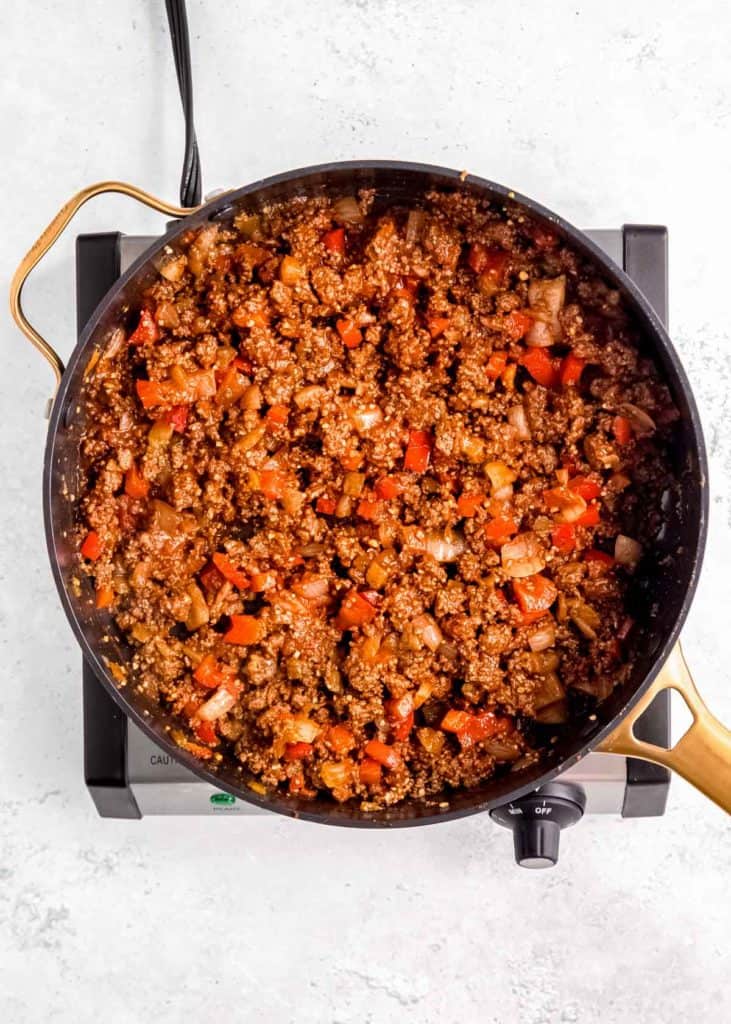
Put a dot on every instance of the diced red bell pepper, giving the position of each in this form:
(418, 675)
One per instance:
(472, 728)
(528, 618)
(325, 506)
(297, 751)
(370, 772)
(104, 597)
(436, 325)
(563, 537)
(211, 579)
(209, 672)
(405, 288)
(262, 581)
(468, 504)
(595, 555)
(229, 571)
(334, 240)
(135, 485)
(418, 451)
(496, 365)
(500, 529)
(590, 517)
(517, 324)
(340, 739)
(147, 332)
(585, 487)
(488, 261)
(622, 429)
(177, 417)
(354, 611)
(92, 546)
(277, 416)
(541, 367)
(272, 483)
(155, 392)
(571, 369)
(244, 630)
(205, 732)
(383, 754)
(368, 509)
(535, 593)
(350, 333)
(400, 715)
(387, 488)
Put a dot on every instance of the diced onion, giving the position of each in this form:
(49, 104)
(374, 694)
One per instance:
(312, 550)
(501, 749)
(543, 637)
(642, 423)
(444, 546)
(369, 649)
(292, 501)
(344, 506)
(335, 774)
(377, 574)
(160, 432)
(309, 397)
(553, 714)
(427, 630)
(473, 447)
(114, 344)
(300, 729)
(518, 420)
(626, 550)
(252, 397)
(546, 297)
(549, 691)
(251, 439)
(198, 613)
(313, 588)
(584, 617)
(423, 693)
(168, 520)
(364, 419)
(353, 484)
(501, 479)
(221, 702)
(432, 740)
(414, 226)
(347, 211)
(174, 268)
(522, 556)
(199, 250)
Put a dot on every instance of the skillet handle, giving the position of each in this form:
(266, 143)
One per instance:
(41, 246)
(702, 756)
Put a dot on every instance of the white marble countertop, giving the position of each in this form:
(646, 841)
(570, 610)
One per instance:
(607, 113)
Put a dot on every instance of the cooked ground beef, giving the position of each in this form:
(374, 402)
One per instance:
(365, 493)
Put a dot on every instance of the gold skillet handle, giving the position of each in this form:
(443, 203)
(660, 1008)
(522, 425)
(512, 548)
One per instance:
(702, 756)
(39, 249)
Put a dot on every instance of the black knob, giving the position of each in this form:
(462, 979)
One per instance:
(537, 819)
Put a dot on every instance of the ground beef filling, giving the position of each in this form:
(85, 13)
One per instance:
(366, 492)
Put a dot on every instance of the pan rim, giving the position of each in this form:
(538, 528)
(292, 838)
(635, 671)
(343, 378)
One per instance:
(652, 325)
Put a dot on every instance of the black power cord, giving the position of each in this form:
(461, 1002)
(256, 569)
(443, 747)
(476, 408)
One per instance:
(190, 181)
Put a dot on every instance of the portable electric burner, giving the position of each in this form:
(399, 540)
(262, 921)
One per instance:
(128, 776)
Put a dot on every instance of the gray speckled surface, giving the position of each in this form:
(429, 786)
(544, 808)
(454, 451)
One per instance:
(608, 114)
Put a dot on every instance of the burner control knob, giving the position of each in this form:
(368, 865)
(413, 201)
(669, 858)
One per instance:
(537, 819)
